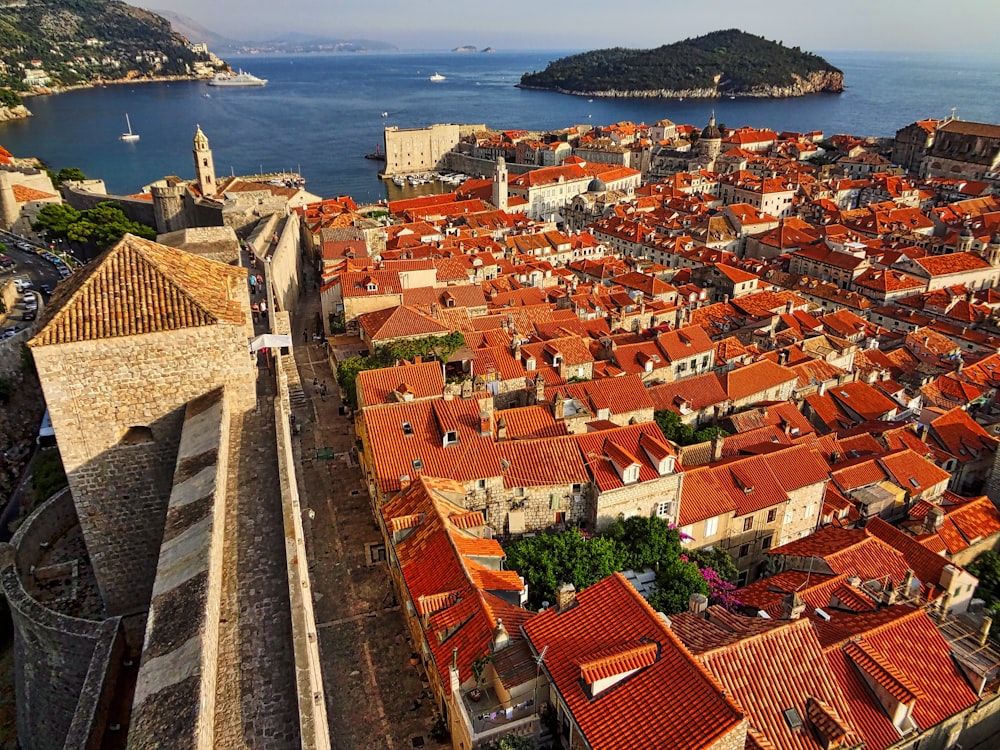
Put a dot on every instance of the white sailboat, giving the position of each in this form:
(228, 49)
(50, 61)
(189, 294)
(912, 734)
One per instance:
(129, 135)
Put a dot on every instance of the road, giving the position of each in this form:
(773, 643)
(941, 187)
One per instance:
(35, 267)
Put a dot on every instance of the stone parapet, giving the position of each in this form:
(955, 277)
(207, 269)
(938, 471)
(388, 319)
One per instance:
(313, 725)
(90, 721)
(176, 686)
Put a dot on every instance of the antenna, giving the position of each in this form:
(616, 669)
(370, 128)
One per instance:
(540, 659)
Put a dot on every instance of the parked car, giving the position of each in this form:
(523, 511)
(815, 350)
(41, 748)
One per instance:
(30, 300)
(29, 314)
(46, 289)
(6, 262)
(8, 332)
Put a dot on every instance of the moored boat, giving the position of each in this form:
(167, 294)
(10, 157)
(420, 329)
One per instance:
(237, 79)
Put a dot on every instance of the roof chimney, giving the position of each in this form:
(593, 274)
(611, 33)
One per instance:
(501, 638)
(984, 629)
(835, 457)
(717, 443)
(501, 429)
(698, 604)
(792, 606)
(934, 520)
(565, 596)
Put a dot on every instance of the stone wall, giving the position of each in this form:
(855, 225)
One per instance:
(284, 271)
(52, 651)
(117, 408)
(175, 689)
(639, 499)
(137, 210)
(418, 149)
(90, 722)
(313, 726)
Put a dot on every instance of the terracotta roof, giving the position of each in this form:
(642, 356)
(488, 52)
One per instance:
(139, 286)
(671, 702)
(399, 321)
(698, 392)
(622, 443)
(530, 422)
(422, 380)
(941, 265)
(442, 564)
(23, 194)
(756, 378)
(620, 395)
(543, 462)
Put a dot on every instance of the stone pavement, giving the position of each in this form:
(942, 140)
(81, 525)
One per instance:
(256, 699)
(375, 698)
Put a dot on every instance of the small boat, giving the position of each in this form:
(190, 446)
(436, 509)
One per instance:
(128, 135)
(385, 114)
(437, 77)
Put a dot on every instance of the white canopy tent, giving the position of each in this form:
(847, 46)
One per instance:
(270, 341)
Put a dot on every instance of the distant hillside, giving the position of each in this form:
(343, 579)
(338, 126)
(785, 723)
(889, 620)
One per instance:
(723, 63)
(194, 31)
(81, 41)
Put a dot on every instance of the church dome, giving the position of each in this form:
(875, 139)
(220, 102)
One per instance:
(711, 131)
(597, 186)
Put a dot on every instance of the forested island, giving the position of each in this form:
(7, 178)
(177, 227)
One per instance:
(722, 63)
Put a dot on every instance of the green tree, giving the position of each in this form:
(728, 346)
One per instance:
(675, 583)
(717, 559)
(511, 742)
(646, 541)
(70, 173)
(56, 219)
(986, 567)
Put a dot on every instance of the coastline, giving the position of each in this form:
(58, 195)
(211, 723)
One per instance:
(51, 91)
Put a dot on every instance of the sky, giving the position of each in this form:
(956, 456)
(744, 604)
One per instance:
(931, 25)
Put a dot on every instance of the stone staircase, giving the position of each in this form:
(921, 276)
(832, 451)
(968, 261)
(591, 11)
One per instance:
(296, 393)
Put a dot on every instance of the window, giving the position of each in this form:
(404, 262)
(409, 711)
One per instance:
(766, 543)
(418, 464)
(663, 509)
(748, 523)
(711, 527)
(577, 488)
(519, 491)
(788, 516)
(744, 550)
(772, 515)
(480, 484)
(809, 512)
(407, 428)
(137, 435)
(450, 438)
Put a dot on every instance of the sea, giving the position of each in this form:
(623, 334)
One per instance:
(320, 114)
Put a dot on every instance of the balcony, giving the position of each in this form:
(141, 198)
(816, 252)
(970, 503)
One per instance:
(490, 718)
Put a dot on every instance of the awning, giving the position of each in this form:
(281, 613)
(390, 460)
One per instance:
(270, 341)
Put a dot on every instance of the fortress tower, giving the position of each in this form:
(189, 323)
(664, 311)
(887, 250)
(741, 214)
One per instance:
(204, 167)
(124, 345)
(168, 206)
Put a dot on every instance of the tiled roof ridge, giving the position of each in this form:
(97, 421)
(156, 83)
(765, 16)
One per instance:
(879, 667)
(779, 631)
(915, 613)
(614, 660)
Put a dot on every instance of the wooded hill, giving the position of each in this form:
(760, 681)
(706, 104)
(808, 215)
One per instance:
(741, 61)
(80, 41)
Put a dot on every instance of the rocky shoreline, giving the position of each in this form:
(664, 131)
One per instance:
(19, 112)
(821, 81)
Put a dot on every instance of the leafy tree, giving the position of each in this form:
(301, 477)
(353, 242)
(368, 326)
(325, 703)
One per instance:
(511, 742)
(56, 219)
(986, 567)
(646, 541)
(675, 583)
(9, 99)
(70, 173)
(716, 558)
(674, 429)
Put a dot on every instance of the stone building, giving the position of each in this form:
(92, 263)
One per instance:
(963, 150)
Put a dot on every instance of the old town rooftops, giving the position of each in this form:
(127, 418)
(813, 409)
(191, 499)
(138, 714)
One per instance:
(137, 287)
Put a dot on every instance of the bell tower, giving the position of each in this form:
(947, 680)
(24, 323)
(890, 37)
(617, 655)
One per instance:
(500, 185)
(204, 167)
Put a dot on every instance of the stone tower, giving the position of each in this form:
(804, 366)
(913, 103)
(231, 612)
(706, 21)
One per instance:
(965, 239)
(500, 185)
(993, 250)
(168, 207)
(710, 143)
(123, 346)
(204, 167)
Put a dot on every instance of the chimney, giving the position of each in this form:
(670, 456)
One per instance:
(565, 596)
(959, 364)
(934, 520)
(854, 581)
(908, 583)
(485, 424)
(501, 429)
(559, 407)
(404, 482)
(717, 442)
(698, 605)
(501, 638)
(792, 606)
(822, 389)
(984, 629)
(539, 389)
(834, 457)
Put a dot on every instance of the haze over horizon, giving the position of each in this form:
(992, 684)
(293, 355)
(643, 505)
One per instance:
(444, 24)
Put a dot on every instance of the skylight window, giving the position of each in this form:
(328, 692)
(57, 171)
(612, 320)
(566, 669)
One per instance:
(407, 428)
(914, 482)
(418, 464)
(792, 717)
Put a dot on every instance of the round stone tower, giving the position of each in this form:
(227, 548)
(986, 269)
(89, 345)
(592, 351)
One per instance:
(168, 207)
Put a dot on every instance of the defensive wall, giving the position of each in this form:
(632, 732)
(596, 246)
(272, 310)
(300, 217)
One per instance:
(421, 149)
(283, 271)
(313, 723)
(176, 686)
(65, 667)
(83, 199)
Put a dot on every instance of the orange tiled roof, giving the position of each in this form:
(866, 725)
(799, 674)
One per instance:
(23, 194)
(399, 321)
(137, 287)
(671, 702)
(756, 378)
(941, 265)
(422, 380)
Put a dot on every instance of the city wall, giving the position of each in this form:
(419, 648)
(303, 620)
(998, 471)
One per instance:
(176, 686)
(284, 271)
(54, 653)
(135, 209)
(313, 724)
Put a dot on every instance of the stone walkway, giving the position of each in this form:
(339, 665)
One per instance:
(374, 697)
(256, 703)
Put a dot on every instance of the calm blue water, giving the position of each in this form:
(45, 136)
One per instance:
(321, 114)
